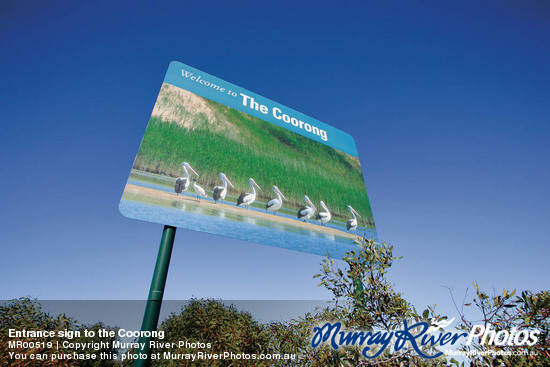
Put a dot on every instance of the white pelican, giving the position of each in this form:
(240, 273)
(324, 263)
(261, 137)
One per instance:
(182, 183)
(275, 204)
(248, 198)
(324, 217)
(351, 225)
(307, 211)
(221, 191)
(198, 190)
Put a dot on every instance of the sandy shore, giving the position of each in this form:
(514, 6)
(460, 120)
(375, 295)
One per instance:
(132, 189)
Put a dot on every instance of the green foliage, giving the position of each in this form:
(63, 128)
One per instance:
(26, 313)
(270, 154)
(365, 300)
(224, 328)
(106, 348)
(363, 288)
(504, 312)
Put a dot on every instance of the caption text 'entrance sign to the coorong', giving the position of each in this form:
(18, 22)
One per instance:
(220, 159)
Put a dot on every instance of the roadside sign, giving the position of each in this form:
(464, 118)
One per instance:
(220, 159)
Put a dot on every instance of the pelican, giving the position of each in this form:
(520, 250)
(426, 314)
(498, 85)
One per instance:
(351, 225)
(182, 183)
(324, 217)
(307, 211)
(198, 190)
(248, 198)
(221, 191)
(275, 204)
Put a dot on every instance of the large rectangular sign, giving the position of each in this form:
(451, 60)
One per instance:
(220, 159)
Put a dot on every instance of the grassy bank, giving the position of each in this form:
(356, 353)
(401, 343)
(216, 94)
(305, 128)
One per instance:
(270, 154)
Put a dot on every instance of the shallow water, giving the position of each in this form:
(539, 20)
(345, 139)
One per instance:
(222, 221)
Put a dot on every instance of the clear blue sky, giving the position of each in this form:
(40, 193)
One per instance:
(448, 103)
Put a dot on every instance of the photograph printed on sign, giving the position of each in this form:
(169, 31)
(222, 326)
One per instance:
(208, 167)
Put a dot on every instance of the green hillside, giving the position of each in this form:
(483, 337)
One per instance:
(268, 153)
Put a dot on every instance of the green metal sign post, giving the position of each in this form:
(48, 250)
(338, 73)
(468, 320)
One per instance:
(154, 301)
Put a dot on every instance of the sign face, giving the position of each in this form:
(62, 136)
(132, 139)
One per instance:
(220, 159)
